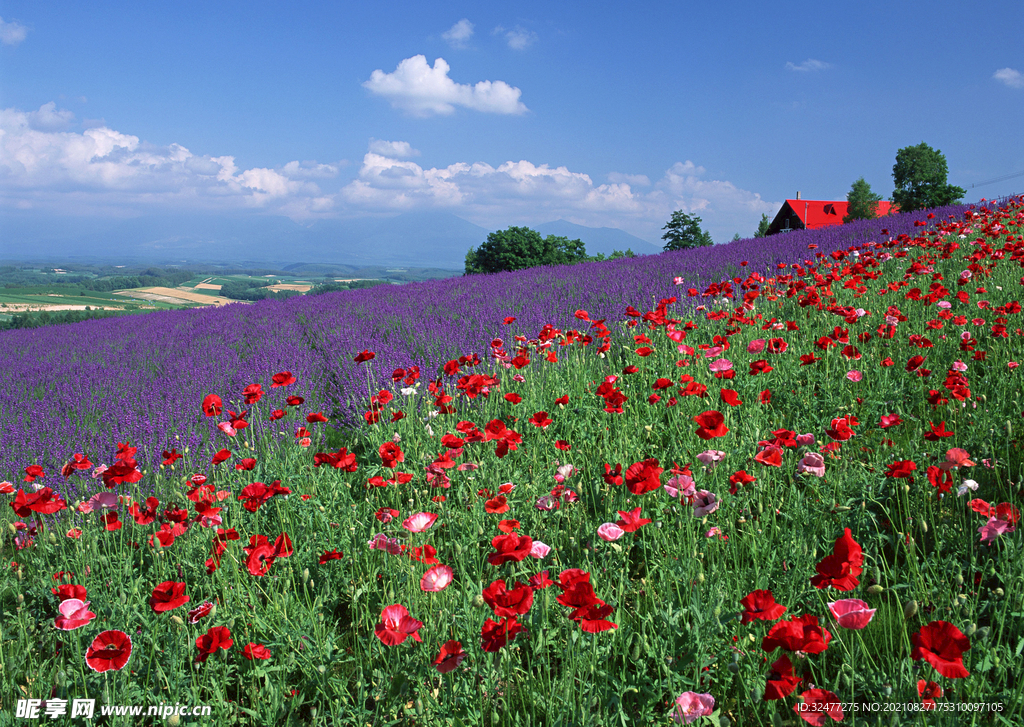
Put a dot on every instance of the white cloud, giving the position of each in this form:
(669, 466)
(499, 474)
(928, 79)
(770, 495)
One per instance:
(47, 118)
(526, 193)
(420, 90)
(1010, 76)
(12, 33)
(393, 149)
(809, 65)
(459, 34)
(44, 166)
(309, 170)
(520, 38)
(635, 180)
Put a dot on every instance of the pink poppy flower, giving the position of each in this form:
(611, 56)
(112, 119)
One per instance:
(993, 529)
(705, 503)
(539, 549)
(689, 706)
(812, 464)
(101, 500)
(681, 486)
(756, 346)
(436, 579)
(854, 376)
(711, 457)
(610, 532)
(722, 364)
(804, 440)
(227, 429)
(852, 613)
(419, 522)
(74, 614)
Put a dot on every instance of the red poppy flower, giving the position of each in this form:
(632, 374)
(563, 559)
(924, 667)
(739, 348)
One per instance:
(799, 634)
(171, 457)
(643, 476)
(396, 625)
(111, 522)
(730, 397)
(221, 456)
(167, 596)
(364, 356)
(69, 590)
(760, 605)
(631, 521)
(494, 635)
(391, 454)
(255, 651)
(329, 555)
(781, 680)
(212, 405)
(76, 463)
(613, 477)
(591, 618)
(711, 425)
(770, 456)
(496, 505)
(218, 637)
(890, 420)
(284, 378)
(817, 704)
(109, 651)
(840, 570)
(200, 612)
(505, 602)
(929, 691)
(901, 469)
(294, 400)
(942, 645)
(937, 432)
(512, 398)
(759, 367)
(510, 547)
(450, 657)
(777, 345)
(43, 502)
(252, 393)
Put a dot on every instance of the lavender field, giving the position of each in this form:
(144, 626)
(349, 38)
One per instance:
(86, 387)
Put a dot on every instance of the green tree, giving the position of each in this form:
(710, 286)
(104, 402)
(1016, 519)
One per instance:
(862, 203)
(762, 226)
(919, 176)
(684, 232)
(518, 248)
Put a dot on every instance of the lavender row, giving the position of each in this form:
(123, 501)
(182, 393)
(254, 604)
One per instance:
(86, 387)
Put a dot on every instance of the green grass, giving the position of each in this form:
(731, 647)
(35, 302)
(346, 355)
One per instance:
(674, 585)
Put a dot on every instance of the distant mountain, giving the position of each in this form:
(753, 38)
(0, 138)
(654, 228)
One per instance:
(416, 239)
(421, 239)
(598, 239)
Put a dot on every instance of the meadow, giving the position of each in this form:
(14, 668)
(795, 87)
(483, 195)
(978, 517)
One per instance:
(772, 482)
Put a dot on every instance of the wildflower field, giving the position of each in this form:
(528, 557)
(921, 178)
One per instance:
(775, 482)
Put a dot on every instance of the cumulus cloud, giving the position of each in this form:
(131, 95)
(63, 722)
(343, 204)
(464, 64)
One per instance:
(459, 34)
(48, 118)
(518, 38)
(12, 32)
(393, 149)
(526, 193)
(635, 180)
(43, 165)
(420, 90)
(809, 65)
(1010, 76)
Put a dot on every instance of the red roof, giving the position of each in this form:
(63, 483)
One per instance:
(815, 213)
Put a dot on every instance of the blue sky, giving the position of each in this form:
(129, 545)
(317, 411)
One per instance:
(499, 113)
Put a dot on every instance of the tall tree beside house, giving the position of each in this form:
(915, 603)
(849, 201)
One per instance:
(684, 232)
(919, 176)
(520, 247)
(862, 203)
(762, 226)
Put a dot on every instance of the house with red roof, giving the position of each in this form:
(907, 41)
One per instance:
(810, 214)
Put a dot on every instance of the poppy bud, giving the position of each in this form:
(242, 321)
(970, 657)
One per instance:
(14, 530)
(287, 583)
(323, 509)
(998, 593)
(700, 577)
(311, 583)
(734, 667)
(419, 704)
(924, 526)
(983, 633)
(1009, 428)
(312, 713)
(177, 619)
(971, 628)
(959, 579)
(910, 609)
(53, 539)
(478, 601)
(213, 610)
(305, 574)
(875, 590)
(322, 669)
(173, 721)
(906, 488)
